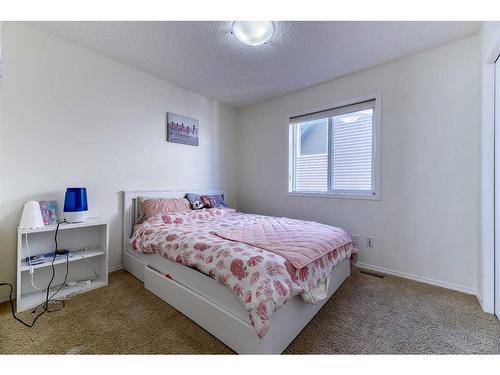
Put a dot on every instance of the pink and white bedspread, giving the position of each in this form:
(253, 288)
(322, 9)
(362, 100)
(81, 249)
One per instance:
(262, 280)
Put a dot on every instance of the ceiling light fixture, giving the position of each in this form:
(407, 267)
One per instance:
(253, 33)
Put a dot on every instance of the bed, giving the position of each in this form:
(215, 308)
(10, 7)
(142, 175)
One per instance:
(204, 299)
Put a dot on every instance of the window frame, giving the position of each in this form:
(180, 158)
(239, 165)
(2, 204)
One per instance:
(374, 194)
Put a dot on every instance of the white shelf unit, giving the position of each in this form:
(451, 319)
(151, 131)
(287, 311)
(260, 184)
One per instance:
(87, 260)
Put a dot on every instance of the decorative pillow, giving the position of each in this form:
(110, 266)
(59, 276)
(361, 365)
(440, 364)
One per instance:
(155, 206)
(213, 201)
(198, 205)
(192, 197)
(195, 201)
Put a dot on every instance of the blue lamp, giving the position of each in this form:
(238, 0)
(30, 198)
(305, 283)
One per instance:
(75, 205)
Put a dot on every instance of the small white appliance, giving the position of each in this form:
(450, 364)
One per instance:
(32, 216)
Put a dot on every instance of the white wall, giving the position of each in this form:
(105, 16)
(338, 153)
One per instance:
(490, 49)
(59, 101)
(425, 225)
(71, 117)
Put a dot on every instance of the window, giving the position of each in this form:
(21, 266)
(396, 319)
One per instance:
(334, 151)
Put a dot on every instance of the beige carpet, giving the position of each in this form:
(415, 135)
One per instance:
(366, 315)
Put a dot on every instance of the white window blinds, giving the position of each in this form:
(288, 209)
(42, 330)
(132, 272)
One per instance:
(333, 151)
(352, 151)
(311, 164)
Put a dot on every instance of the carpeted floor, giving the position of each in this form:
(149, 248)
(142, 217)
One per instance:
(366, 315)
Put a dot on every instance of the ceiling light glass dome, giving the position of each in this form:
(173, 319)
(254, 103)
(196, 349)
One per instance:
(253, 33)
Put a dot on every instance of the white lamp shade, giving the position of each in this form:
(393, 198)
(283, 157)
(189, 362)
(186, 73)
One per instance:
(32, 216)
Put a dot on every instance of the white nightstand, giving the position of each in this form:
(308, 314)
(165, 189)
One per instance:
(88, 260)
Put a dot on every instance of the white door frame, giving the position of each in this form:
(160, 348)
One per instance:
(489, 155)
(497, 190)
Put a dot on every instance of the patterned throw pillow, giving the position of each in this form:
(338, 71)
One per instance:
(195, 201)
(213, 201)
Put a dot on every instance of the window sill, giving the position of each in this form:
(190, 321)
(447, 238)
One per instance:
(375, 197)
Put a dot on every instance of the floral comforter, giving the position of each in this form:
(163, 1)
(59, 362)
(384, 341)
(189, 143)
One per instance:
(263, 281)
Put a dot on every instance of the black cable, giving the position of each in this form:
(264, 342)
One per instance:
(29, 325)
(48, 299)
(65, 279)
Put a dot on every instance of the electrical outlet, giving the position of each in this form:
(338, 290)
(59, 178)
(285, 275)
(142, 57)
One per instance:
(369, 242)
(355, 241)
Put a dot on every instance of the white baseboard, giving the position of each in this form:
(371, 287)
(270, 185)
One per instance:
(2, 300)
(115, 268)
(388, 271)
(425, 280)
(480, 299)
(486, 306)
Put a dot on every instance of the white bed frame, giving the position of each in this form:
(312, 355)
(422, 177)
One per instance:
(210, 304)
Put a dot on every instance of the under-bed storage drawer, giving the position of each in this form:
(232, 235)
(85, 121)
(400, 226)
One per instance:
(227, 327)
(202, 284)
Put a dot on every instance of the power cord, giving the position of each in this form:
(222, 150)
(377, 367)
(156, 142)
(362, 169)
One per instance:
(48, 299)
(65, 278)
(31, 270)
(29, 325)
(86, 260)
(56, 251)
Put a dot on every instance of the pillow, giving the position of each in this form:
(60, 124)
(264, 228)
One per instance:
(213, 201)
(149, 207)
(139, 214)
(192, 197)
(195, 201)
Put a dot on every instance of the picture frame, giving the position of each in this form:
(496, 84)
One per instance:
(49, 212)
(182, 129)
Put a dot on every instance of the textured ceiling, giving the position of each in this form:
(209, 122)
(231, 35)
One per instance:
(204, 57)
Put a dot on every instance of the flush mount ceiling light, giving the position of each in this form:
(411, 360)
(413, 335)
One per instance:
(253, 33)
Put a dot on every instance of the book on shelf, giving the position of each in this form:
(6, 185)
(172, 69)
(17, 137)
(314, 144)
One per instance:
(44, 258)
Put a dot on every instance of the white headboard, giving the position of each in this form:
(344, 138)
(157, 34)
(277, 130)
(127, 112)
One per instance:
(130, 206)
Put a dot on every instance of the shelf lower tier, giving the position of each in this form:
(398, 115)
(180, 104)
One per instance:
(32, 300)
